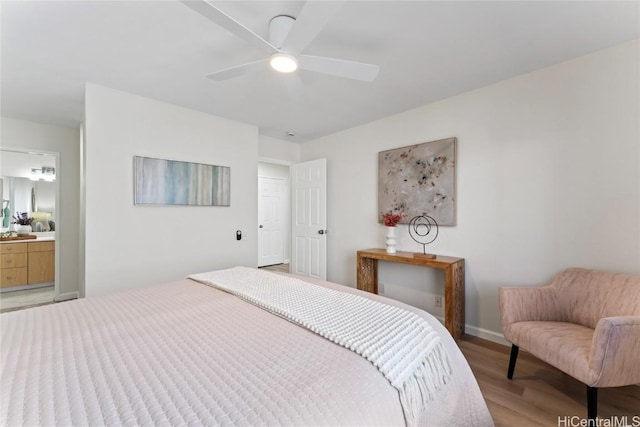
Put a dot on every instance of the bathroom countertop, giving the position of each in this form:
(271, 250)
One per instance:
(41, 237)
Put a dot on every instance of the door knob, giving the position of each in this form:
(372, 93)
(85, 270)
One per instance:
(261, 226)
(322, 231)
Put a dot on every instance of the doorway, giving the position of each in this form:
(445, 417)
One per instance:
(30, 261)
(274, 215)
(305, 188)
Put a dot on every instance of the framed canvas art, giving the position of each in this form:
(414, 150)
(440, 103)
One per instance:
(170, 182)
(419, 180)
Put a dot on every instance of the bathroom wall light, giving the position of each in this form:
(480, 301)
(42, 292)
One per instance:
(46, 173)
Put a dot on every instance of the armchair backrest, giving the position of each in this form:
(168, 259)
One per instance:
(589, 295)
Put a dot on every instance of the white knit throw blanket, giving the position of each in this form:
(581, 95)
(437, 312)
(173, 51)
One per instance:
(401, 344)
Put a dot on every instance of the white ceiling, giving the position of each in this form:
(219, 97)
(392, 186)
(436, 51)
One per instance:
(427, 50)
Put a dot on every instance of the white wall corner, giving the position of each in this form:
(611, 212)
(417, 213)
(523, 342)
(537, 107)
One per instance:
(276, 150)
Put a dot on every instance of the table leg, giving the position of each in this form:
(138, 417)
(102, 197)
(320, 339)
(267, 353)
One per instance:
(367, 274)
(454, 299)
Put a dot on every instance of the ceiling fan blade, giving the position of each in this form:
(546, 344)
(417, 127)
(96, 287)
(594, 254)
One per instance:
(239, 70)
(339, 67)
(313, 17)
(211, 12)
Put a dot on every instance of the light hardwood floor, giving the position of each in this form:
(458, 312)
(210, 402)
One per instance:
(19, 300)
(283, 268)
(539, 393)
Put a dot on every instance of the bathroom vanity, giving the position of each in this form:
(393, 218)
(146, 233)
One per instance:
(28, 263)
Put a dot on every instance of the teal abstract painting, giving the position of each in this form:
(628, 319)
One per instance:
(170, 182)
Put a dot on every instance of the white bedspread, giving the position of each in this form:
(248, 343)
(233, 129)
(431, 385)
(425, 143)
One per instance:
(186, 354)
(401, 344)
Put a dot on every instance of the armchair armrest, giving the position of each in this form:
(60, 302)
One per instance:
(524, 304)
(615, 352)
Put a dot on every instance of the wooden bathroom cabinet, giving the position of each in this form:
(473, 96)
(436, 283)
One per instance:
(42, 260)
(27, 263)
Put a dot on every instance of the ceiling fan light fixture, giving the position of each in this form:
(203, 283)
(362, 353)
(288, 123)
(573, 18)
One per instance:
(283, 62)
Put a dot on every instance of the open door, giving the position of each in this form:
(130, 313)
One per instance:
(309, 219)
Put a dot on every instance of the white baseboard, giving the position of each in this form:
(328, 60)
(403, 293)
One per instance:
(481, 333)
(67, 296)
(27, 287)
(486, 334)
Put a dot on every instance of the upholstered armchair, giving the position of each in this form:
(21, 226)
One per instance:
(584, 322)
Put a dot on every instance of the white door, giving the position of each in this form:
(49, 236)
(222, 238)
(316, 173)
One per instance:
(309, 219)
(270, 221)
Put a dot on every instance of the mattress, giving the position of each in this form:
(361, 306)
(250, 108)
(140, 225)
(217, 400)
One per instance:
(184, 353)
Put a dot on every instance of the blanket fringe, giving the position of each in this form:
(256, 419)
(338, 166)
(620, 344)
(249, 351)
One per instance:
(419, 389)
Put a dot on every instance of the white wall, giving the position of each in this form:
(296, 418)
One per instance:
(278, 149)
(65, 141)
(129, 246)
(548, 178)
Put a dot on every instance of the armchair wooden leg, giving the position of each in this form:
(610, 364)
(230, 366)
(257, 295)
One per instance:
(512, 360)
(592, 405)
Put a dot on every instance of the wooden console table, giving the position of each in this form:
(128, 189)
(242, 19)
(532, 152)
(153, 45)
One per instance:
(453, 278)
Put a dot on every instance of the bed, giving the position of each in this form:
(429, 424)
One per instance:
(185, 353)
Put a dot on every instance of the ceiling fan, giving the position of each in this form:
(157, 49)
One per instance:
(288, 37)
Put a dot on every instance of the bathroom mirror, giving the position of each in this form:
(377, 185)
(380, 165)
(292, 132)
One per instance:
(28, 185)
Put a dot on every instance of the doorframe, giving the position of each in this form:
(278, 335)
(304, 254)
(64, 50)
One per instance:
(287, 206)
(56, 154)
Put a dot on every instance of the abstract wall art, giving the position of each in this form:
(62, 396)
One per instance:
(419, 180)
(170, 182)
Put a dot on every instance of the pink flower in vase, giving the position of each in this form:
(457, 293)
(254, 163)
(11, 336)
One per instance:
(391, 219)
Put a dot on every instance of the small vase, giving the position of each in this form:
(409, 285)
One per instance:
(22, 229)
(391, 240)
